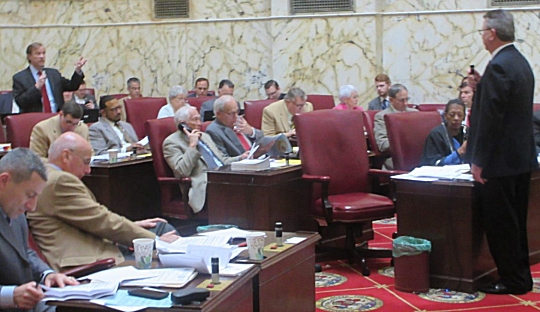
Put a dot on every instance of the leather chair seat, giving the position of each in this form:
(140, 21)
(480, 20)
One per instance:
(357, 207)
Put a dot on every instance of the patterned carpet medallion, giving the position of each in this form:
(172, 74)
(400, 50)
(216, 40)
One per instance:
(450, 296)
(387, 271)
(536, 285)
(325, 279)
(349, 303)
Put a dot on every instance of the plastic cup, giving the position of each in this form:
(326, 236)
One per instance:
(113, 155)
(143, 252)
(255, 244)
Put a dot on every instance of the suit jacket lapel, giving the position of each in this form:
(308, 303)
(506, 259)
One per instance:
(284, 120)
(7, 232)
(111, 133)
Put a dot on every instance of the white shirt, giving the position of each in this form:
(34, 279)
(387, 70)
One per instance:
(48, 87)
(165, 111)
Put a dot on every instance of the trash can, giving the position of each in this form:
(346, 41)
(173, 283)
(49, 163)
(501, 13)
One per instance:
(411, 264)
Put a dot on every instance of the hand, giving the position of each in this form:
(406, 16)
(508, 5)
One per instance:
(149, 223)
(462, 149)
(477, 174)
(60, 280)
(90, 104)
(41, 80)
(27, 295)
(79, 64)
(473, 79)
(134, 145)
(193, 137)
(244, 156)
(242, 126)
(169, 237)
(291, 133)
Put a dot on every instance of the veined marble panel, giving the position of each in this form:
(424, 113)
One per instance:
(320, 55)
(229, 9)
(430, 5)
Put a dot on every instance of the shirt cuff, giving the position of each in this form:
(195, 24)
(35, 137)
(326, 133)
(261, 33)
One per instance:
(6, 297)
(252, 133)
(44, 275)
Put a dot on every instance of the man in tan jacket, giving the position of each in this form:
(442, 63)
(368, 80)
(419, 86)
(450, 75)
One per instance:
(48, 130)
(277, 117)
(69, 226)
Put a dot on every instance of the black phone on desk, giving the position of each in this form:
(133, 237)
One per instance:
(148, 293)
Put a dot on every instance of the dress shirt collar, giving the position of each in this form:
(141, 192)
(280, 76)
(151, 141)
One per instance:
(34, 70)
(112, 123)
(499, 49)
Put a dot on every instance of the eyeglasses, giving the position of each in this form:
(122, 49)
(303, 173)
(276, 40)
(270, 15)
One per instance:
(86, 162)
(272, 94)
(112, 109)
(482, 30)
(72, 123)
(403, 100)
(201, 88)
(231, 113)
(300, 105)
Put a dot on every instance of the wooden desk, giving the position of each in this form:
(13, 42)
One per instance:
(286, 281)
(238, 296)
(256, 200)
(127, 187)
(446, 213)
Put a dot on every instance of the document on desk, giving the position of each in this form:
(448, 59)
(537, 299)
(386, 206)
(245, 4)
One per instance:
(434, 173)
(198, 257)
(119, 275)
(199, 264)
(81, 291)
(231, 233)
(173, 278)
(181, 244)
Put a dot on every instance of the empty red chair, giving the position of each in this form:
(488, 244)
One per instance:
(140, 110)
(19, 127)
(253, 111)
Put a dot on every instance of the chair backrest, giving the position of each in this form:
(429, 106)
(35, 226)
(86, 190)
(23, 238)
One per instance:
(6, 102)
(330, 149)
(536, 106)
(19, 127)
(158, 130)
(205, 125)
(198, 101)
(211, 92)
(431, 107)
(369, 125)
(407, 133)
(321, 101)
(140, 110)
(253, 111)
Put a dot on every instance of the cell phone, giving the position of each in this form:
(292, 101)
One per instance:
(181, 127)
(149, 293)
(472, 69)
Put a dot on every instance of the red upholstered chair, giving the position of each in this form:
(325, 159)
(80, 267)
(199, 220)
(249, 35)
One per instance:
(205, 125)
(431, 107)
(378, 157)
(407, 133)
(321, 101)
(19, 127)
(139, 110)
(253, 111)
(173, 204)
(211, 92)
(536, 106)
(198, 101)
(334, 158)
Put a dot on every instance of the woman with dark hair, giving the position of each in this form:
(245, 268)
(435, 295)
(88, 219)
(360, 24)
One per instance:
(445, 144)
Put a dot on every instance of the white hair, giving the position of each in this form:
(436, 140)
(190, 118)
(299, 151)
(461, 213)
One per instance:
(176, 91)
(346, 91)
(182, 115)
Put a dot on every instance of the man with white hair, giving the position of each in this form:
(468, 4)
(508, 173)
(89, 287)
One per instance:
(177, 99)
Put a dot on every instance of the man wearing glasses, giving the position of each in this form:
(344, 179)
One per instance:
(399, 98)
(46, 131)
(277, 117)
(110, 132)
(201, 88)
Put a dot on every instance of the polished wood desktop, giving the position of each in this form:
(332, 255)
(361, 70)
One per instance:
(127, 187)
(286, 281)
(238, 296)
(258, 199)
(447, 214)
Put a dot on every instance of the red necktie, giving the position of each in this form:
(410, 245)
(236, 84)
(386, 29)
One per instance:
(245, 143)
(45, 97)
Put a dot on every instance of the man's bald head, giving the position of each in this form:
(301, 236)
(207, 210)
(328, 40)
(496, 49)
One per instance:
(72, 153)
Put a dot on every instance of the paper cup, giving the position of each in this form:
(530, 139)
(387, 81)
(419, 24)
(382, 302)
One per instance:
(113, 155)
(143, 252)
(255, 244)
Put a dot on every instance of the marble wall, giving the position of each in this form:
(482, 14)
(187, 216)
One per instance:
(424, 44)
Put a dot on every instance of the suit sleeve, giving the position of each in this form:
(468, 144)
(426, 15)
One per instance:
(268, 125)
(218, 140)
(75, 206)
(495, 92)
(536, 128)
(25, 96)
(181, 162)
(73, 83)
(381, 136)
(39, 142)
(97, 140)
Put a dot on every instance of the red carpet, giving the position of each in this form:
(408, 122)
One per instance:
(341, 287)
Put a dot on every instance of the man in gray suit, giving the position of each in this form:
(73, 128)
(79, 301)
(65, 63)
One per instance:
(40, 89)
(22, 179)
(382, 101)
(110, 132)
(225, 87)
(231, 133)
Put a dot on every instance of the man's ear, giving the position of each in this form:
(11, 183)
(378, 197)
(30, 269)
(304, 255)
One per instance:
(5, 177)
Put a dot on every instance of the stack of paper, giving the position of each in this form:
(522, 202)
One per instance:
(172, 278)
(82, 291)
(251, 164)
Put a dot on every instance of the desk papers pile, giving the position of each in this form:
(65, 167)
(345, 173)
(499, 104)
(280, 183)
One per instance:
(251, 164)
(82, 291)
(434, 173)
(130, 276)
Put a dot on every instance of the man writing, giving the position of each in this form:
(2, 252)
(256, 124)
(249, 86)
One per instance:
(22, 179)
(277, 117)
(40, 89)
(502, 153)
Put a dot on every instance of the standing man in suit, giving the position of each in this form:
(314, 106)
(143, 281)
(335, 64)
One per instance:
(22, 179)
(190, 153)
(382, 101)
(502, 153)
(48, 130)
(40, 89)
(277, 117)
(110, 132)
(231, 133)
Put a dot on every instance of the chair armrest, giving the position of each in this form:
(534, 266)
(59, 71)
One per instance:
(90, 268)
(318, 179)
(325, 181)
(171, 180)
(385, 173)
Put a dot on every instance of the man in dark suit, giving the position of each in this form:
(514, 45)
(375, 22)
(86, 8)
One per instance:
(201, 88)
(40, 89)
(225, 87)
(272, 90)
(231, 133)
(22, 179)
(502, 152)
(382, 101)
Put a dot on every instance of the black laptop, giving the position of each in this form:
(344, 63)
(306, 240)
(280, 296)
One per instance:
(90, 115)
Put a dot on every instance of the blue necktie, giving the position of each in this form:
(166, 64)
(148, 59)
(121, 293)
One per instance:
(384, 104)
(209, 157)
